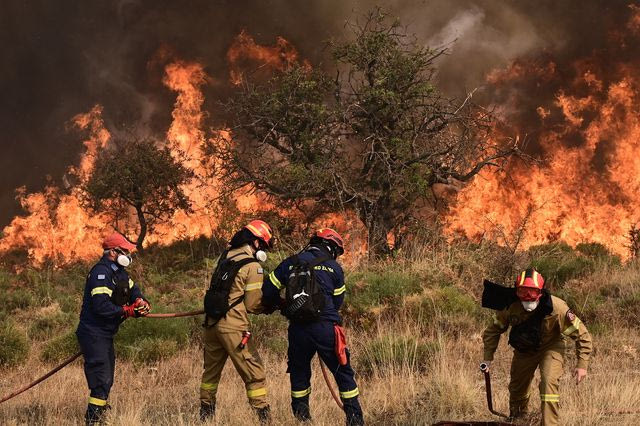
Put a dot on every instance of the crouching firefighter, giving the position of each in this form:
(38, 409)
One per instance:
(540, 324)
(235, 292)
(110, 297)
(312, 283)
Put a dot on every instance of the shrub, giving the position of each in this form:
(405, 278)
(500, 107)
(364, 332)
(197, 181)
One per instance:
(558, 262)
(60, 348)
(599, 253)
(142, 339)
(392, 352)
(148, 349)
(50, 325)
(18, 298)
(14, 346)
(372, 289)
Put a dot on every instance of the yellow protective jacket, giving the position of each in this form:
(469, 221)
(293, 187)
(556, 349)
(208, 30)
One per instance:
(248, 284)
(556, 327)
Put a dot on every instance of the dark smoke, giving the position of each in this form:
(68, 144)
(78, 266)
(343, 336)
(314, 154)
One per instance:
(62, 57)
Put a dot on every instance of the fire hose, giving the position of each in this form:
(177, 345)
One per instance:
(169, 315)
(487, 382)
(328, 382)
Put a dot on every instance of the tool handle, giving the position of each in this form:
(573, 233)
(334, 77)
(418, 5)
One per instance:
(487, 383)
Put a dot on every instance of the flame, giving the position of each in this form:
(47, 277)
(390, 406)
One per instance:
(586, 189)
(56, 227)
(244, 49)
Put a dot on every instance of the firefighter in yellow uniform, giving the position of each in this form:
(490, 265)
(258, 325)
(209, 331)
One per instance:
(540, 324)
(227, 329)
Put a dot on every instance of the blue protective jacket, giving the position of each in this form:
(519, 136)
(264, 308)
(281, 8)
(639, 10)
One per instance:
(99, 314)
(328, 274)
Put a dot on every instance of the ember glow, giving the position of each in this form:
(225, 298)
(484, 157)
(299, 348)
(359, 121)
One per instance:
(588, 137)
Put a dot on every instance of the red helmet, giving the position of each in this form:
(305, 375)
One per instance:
(529, 285)
(530, 279)
(331, 235)
(262, 231)
(117, 240)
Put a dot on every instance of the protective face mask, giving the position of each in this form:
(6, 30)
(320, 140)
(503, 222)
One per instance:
(123, 260)
(261, 255)
(529, 306)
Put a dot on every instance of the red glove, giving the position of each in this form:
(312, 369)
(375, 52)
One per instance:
(129, 311)
(137, 309)
(141, 307)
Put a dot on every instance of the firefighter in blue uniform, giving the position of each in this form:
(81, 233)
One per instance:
(305, 339)
(110, 297)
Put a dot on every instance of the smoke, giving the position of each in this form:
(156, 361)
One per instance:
(61, 58)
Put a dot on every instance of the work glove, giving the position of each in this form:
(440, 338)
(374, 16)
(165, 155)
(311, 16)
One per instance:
(129, 311)
(141, 307)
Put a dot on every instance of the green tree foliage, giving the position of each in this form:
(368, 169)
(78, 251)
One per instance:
(375, 139)
(137, 174)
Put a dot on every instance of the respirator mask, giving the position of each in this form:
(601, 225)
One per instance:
(529, 305)
(261, 254)
(123, 259)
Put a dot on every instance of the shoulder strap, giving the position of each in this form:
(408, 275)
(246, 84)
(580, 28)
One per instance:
(318, 260)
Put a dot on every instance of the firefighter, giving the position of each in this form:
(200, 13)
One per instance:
(110, 297)
(540, 324)
(227, 337)
(307, 338)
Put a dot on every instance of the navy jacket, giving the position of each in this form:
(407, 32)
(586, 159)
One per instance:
(329, 275)
(99, 315)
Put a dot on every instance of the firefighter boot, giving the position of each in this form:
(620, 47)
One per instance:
(207, 411)
(95, 415)
(300, 408)
(353, 412)
(264, 415)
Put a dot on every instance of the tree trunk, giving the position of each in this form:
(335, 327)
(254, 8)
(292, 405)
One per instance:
(143, 228)
(378, 221)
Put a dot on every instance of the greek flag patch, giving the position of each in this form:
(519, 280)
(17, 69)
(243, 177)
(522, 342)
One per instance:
(101, 276)
(260, 271)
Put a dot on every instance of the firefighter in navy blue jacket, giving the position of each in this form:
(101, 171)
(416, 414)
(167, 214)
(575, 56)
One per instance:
(110, 297)
(307, 338)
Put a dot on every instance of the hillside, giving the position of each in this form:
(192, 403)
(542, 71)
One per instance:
(414, 324)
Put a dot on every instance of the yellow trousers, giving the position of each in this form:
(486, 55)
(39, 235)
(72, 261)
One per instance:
(523, 368)
(218, 346)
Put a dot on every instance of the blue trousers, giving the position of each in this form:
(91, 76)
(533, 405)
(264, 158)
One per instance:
(304, 341)
(99, 365)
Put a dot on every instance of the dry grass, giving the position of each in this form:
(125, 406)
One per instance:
(451, 388)
(398, 388)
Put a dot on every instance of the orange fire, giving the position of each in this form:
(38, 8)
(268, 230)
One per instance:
(586, 189)
(57, 228)
(244, 49)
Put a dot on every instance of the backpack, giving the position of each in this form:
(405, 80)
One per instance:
(304, 297)
(216, 299)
